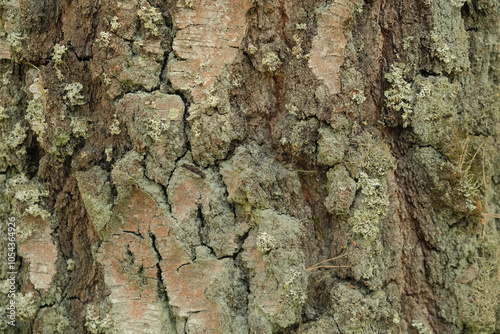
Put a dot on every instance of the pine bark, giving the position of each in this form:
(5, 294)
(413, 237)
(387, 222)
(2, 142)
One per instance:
(189, 166)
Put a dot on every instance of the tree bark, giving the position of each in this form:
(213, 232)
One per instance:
(190, 166)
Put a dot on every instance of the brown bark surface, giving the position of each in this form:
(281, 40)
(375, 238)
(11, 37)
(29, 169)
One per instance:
(188, 166)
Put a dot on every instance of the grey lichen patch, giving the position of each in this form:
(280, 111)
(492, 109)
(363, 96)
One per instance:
(129, 173)
(97, 323)
(449, 39)
(276, 304)
(265, 242)
(399, 98)
(54, 320)
(357, 312)
(73, 94)
(370, 208)
(296, 137)
(331, 146)
(203, 215)
(436, 119)
(95, 189)
(368, 155)
(26, 306)
(16, 136)
(230, 292)
(212, 136)
(152, 127)
(157, 126)
(104, 39)
(341, 191)
(255, 180)
(114, 128)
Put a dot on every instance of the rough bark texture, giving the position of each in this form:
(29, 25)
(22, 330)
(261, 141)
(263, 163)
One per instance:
(177, 166)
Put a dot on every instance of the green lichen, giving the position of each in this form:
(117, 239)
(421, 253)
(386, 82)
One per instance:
(26, 306)
(368, 155)
(151, 18)
(57, 57)
(29, 192)
(73, 94)
(115, 24)
(104, 38)
(97, 324)
(3, 114)
(265, 242)
(79, 127)
(282, 304)
(157, 127)
(449, 39)
(55, 321)
(399, 97)
(35, 115)
(15, 41)
(331, 146)
(341, 191)
(97, 197)
(271, 61)
(16, 136)
(370, 208)
(114, 128)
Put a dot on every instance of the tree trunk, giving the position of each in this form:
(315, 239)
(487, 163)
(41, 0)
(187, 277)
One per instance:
(188, 166)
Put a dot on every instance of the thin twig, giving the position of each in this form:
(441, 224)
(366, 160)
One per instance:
(462, 156)
(472, 160)
(493, 215)
(331, 259)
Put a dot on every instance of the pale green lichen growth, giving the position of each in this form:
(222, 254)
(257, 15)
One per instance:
(297, 49)
(421, 328)
(294, 287)
(341, 191)
(80, 128)
(15, 41)
(252, 49)
(400, 97)
(3, 114)
(271, 61)
(115, 25)
(109, 154)
(35, 115)
(114, 128)
(265, 242)
(96, 324)
(370, 208)
(173, 114)
(70, 264)
(95, 190)
(26, 306)
(57, 54)
(16, 136)
(150, 18)
(55, 322)
(74, 95)
(294, 110)
(156, 127)
(29, 193)
(331, 146)
(104, 38)
(301, 26)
